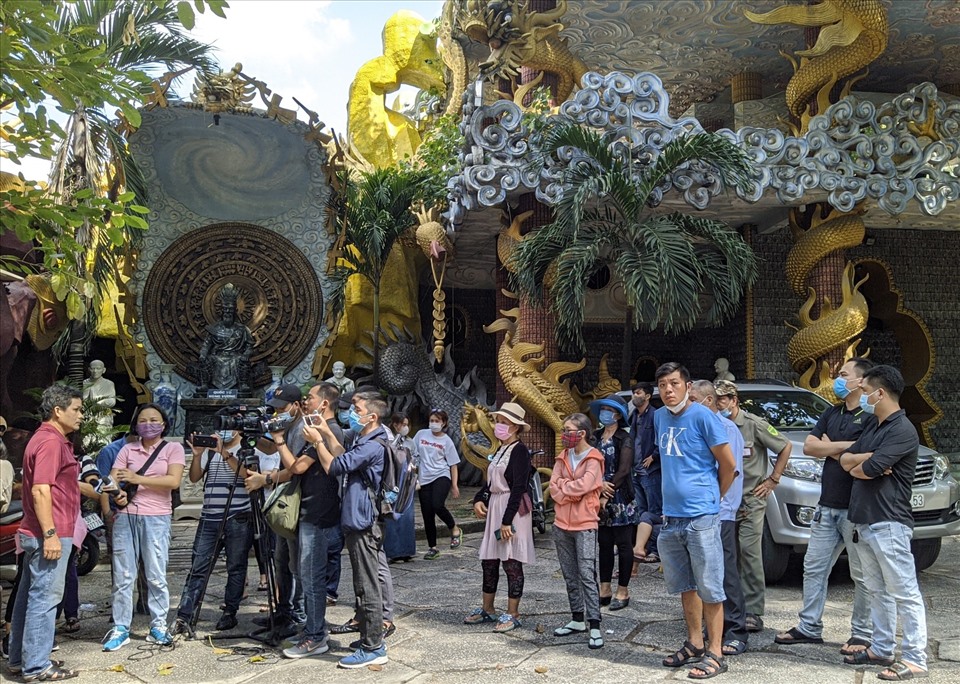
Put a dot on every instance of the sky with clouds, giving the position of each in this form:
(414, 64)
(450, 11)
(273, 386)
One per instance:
(308, 49)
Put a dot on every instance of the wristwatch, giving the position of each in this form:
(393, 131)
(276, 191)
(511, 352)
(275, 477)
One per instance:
(52, 532)
(269, 479)
(280, 443)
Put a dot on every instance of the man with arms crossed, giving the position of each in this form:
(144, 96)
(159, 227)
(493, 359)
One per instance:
(836, 431)
(698, 468)
(883, 462)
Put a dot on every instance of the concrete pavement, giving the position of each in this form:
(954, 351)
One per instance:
(432, 645)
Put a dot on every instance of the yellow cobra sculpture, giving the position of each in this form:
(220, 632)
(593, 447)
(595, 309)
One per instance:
(836, 327)
(518, 37)
(521, 367)
(381, 135)
(853, 33)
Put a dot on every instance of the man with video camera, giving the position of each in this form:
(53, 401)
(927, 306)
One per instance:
(223, 472)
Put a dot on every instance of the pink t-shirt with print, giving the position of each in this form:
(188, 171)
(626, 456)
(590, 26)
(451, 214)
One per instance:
(150, 500)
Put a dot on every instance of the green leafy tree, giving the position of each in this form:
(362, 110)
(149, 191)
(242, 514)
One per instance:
(87, 57)
(666, 262)
(371, 212)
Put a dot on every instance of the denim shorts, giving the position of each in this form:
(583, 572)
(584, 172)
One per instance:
(692, 556)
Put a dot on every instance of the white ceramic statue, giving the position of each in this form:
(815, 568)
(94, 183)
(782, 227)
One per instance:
(98, 388)
(722, 368)
(340, 379)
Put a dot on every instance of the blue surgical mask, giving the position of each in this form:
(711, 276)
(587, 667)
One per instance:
(344, 417)
(725, 413)
(607, 417)
(225, 435)
(354, 418)
(865, 403)
(840, 387)
(285, 416)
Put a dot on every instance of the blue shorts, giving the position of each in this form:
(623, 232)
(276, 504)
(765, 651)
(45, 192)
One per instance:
(692, 556)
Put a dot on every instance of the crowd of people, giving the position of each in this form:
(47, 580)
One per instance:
(685, 485)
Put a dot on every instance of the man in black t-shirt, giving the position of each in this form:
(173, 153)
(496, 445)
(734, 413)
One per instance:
(836, 431)
(883, 462)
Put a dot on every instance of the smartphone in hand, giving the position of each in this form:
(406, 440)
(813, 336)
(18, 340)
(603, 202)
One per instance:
(205, 441)
(496, 532)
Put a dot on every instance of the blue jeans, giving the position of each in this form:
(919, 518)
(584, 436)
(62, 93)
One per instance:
(145, 538)
(238, 537)
(891, 578)
(828, 536)
(648, 492)
(692, 556)
(335, 536)
(314, 544)
(35, 608)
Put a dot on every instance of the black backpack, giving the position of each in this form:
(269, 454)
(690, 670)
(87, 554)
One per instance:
(398, 486)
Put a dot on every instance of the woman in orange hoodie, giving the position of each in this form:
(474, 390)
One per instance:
(575, 486)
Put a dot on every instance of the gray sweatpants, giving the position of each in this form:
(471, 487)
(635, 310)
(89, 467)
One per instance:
(577, 553)
(364, 550)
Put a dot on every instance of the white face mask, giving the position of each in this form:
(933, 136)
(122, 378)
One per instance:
(436, 427)
(404, 431)
(679, 407)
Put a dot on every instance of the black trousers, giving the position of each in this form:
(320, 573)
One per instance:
(433, 504)
(622, 538)
(734, 612)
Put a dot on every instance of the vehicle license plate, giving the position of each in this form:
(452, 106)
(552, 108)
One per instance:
(916, 501)
(95, 522)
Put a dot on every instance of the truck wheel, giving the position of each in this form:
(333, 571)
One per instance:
(775, 557)
(88, 556)
(925, 552)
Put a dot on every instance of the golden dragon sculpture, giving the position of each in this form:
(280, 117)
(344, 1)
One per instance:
(826, 235)
(535, 385)
(853, 33)
(518, 37)
(382, 135)
(835, 328)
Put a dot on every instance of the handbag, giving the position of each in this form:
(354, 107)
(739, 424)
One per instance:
(281, 510)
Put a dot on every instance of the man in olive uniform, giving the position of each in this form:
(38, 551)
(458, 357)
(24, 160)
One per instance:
(758, 436)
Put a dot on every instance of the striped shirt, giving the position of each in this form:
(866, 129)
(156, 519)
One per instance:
(216, 487)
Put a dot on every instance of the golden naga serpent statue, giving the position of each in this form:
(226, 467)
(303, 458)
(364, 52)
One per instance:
(853, 33)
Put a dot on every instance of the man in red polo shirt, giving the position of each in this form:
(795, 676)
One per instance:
(51, 500)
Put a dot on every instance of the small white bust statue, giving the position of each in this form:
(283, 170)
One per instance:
(97, 388)
(722, 368)
(340, 379)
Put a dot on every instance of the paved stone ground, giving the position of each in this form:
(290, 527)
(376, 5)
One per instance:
(432, 645)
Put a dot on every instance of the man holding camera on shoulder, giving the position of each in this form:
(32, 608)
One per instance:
(222, 472)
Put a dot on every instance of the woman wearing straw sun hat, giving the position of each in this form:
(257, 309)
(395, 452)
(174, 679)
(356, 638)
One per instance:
(505, 504)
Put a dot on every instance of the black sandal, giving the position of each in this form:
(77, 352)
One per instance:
(795, 636)
(854, 641)
(754, 623)
(54, 673)
(710, 666)
(735, 646)
(684, 655)
(346, 628)
(864, 657)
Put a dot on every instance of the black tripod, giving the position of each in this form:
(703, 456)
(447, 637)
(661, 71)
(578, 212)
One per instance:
(246, 457)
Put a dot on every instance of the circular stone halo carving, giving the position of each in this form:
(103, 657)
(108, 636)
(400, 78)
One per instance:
(280, 297)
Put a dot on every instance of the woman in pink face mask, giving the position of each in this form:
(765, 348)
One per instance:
(505, 504)
(148, 470)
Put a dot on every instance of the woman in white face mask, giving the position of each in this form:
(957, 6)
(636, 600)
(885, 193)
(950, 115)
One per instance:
(438, 458)
(400, 536)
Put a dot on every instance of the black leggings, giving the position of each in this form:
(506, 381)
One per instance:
(433, 502)
(622, 538)
(491, 576)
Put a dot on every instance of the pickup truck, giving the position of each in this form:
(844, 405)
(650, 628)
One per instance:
(794, 412)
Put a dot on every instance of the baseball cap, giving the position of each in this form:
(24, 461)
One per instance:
(287, 393)
(725, 388)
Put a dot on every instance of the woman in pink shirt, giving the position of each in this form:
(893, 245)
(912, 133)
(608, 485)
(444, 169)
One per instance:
(149, 469)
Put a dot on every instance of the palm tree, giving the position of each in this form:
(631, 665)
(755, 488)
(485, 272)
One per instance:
(666, 262)
(371, 213)
(141, 38)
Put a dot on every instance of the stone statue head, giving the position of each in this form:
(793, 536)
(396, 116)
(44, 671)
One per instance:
(228, 303)
(339, 370)
(721, 365)
(97, 369)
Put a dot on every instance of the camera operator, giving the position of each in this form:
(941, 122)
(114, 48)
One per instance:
(286, 400)
(222, 471)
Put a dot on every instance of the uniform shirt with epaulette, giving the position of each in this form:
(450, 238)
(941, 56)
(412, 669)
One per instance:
(757, 433)
(839, 424)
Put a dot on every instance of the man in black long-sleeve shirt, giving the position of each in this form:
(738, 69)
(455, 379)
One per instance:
(883, 462)
(646, 473)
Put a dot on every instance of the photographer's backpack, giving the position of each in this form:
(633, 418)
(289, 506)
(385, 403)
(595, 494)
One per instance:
(398, 486)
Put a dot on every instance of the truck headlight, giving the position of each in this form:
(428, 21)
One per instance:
(941, 467)
(810, 469)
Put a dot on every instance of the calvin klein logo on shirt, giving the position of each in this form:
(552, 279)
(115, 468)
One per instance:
(668, 442)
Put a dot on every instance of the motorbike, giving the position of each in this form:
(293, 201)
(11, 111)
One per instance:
(87, 556)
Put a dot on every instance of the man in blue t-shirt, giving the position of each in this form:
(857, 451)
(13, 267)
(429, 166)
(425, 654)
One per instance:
(698, 468)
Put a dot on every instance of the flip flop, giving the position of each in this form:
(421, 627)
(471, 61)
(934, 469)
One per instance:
(735, 646)
(854, 641)
(795, 636)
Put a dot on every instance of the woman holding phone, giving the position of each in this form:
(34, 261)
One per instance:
(508, 534)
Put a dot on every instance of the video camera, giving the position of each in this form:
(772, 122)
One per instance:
(252, 422)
